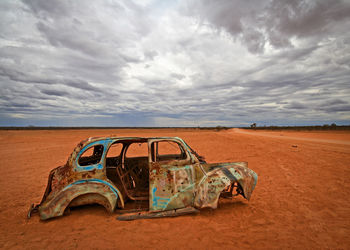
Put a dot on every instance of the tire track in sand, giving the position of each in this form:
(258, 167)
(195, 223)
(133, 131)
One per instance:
(242, 131)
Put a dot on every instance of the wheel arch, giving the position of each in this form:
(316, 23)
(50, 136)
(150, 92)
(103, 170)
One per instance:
(209, 189)
(90, 191)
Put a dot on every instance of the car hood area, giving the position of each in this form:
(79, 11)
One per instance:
(235, 172)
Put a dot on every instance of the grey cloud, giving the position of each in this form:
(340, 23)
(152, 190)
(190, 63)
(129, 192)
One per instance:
(337, 108)
(334, 105)
(21, 105)
(48, 9)
(254, 40)
(150, 54)
(18, 76)
(295, 54)
(72, 39)
(177, 76)
(54, 92)
(306, 18)
(81, 84)
(255, 22)
(334, 102)
(295, 105)
(72, 25)
(12, 74)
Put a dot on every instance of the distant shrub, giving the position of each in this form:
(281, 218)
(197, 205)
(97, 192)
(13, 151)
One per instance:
(219, 128)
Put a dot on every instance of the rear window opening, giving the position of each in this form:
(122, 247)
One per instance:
(91, 156)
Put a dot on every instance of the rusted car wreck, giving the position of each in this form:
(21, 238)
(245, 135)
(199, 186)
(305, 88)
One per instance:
(146, 177)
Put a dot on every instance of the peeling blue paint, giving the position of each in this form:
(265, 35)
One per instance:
(177, 168)
(115, 191)
(159, 202)
(105, 143)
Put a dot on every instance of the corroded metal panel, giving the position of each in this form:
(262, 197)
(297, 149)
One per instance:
(235, 172)
(171, 187)
(218, 177)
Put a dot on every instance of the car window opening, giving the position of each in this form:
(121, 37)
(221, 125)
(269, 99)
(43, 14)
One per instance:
(168, 151)
(91, 156)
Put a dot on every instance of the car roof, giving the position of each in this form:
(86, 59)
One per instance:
(116, 138)
(130, 138)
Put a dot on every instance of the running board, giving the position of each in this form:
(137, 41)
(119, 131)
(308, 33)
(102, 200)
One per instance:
(151, 215)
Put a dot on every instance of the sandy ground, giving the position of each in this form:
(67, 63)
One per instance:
(302, 199)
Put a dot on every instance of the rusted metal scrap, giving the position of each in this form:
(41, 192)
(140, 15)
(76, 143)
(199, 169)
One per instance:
(156, 177)
(150, 215)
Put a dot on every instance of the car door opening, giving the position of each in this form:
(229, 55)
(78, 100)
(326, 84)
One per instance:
(129, 168)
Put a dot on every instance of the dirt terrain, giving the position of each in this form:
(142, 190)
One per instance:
(302, 199)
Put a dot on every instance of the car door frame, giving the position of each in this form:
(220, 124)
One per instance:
(171, 182)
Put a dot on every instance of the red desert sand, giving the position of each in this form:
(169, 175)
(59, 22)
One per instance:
(302, 198)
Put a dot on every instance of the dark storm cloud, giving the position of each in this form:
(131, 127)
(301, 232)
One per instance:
(333, 102)
(306, 18)
(275, 22)
(54, 92)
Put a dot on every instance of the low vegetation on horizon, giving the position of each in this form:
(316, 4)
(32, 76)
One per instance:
(253, 126)
(333, 126)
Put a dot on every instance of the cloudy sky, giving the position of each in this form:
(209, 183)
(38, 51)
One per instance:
(174, 63)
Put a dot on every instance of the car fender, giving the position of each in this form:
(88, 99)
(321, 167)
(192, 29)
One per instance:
(90, 191)
(218, 178)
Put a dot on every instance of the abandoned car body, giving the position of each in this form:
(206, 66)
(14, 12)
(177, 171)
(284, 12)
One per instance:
(162, 172)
